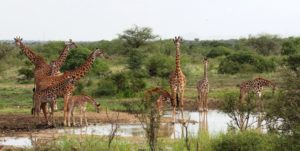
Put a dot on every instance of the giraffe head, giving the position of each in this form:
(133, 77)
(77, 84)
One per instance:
(177, 41)
(205, 60)
(18, 41)
(70, 44)
(100, 53)
(97, 105)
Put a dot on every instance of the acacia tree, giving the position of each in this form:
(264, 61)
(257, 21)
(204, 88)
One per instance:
(134, 38)
(137, 36)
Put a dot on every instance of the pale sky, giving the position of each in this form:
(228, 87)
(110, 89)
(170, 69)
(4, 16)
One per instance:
(91, 20)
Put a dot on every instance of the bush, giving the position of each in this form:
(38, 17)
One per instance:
(294, 62)
(26, 74)
(106, 87)
(159, 65)
(246, 141)
(245, 62)
(219, 51)
(78, 56)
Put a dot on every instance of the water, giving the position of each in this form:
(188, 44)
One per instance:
(16, 141)
(213, 122)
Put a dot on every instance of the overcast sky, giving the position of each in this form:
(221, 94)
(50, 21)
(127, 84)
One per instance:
(91, 20)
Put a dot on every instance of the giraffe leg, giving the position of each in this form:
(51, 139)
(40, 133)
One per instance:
(174, 115)
(206, 101)
(174, 103)
(181, 101)
(69, 116)
(84, 116)
(52, 112)
(44, 109)
(81, 116)
(66, 98)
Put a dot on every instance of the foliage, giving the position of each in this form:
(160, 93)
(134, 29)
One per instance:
(238, 111)
(246, 141)
(245, 62)
(106, 87)
(78, 56)
(265, 44)
(283, 113)
(135, 60)
(293, 62)
(137, 36)
(288, 48)
(5, 49)
(219, 51)
(159, 65)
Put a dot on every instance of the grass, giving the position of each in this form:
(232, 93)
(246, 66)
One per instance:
(246, 141)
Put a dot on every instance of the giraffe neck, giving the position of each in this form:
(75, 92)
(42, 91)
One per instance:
(84, 68)
(62, 58)
(205, 71)
(59, 87)
(34, 58)
(177, 61)
(91, 100)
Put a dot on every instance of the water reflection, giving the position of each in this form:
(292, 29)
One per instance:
(212, 122)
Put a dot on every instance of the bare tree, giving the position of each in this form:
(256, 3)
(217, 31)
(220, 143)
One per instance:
(114, 127)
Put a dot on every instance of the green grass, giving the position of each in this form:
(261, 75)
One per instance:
(246, 141)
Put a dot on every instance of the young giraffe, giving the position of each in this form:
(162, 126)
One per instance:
(164, 96)
(49, 95)
(43, 69)
(203, 89)
(80, 101)
(177, 81)
(78, 73)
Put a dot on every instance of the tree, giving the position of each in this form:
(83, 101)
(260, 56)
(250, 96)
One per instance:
(137, 36)
(265, 44)
(288, 48)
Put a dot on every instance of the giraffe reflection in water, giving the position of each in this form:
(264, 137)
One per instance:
(203, 124)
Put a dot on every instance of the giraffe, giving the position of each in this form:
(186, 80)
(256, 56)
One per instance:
(78, 73)
(203, 89)
(256, 86)
(43, 69)
(49, 95)
(80, 101)
(177, 81)
(164, 96)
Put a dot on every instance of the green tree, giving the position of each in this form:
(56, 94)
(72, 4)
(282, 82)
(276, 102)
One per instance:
(288, 48)
(137, 36)
(265, 44)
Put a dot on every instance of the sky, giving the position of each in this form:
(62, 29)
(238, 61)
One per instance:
(93, 20)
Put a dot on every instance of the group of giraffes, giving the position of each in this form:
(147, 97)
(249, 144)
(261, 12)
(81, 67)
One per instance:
(177, 83)
(50, 83)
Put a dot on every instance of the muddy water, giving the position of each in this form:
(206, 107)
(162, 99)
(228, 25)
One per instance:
(213, 122)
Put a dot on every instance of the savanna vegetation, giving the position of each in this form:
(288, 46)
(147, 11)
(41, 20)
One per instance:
(140, 60)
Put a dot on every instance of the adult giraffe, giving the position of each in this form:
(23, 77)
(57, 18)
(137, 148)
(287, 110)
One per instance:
(43, 69)
(203, 89)
(177, 81)
(78, 73)
(256, 86)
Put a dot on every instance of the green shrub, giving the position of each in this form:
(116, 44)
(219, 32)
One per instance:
(219, 51)
(26, 74)
(246, 141)
(159, 65)
(245, 62)
(293, 62)
(106, 87)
